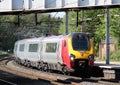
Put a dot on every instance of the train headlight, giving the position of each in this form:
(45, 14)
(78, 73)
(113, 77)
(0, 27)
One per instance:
(72, 57)
(91, 57)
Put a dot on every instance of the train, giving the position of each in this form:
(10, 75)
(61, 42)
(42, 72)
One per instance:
(64, 53)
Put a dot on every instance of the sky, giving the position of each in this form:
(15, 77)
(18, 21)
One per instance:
(58, 14)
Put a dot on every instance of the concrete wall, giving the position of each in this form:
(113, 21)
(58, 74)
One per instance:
(6, 5)
(103, 2)
(91, 2)
(26, 4)
(102, 49)
(37, 4)
(70, 3)
(76, 3)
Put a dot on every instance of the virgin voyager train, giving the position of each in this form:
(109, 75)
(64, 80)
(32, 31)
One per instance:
(64, 53)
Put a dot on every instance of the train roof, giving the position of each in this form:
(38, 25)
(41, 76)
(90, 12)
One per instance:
(53, 37)
(30, 39)
(43, 38)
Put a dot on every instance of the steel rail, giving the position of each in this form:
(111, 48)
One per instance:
(7, 82)
(53, 78)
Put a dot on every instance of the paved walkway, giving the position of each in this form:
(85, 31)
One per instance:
(112, 65)
(104, 62)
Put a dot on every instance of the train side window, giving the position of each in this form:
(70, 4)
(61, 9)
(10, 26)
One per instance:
(51, 47)
(33, 47)
(21, 48)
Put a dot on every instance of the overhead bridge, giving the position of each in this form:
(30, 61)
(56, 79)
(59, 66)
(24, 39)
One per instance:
(16, 7)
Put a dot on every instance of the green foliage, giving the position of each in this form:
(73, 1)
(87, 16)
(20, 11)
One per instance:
(72, 24)
(115, 56)
(96, 26)
(115, 25)
(10, 31)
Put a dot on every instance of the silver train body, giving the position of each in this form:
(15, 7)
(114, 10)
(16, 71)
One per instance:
(56, 52)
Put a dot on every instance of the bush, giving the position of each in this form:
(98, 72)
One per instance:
(115, 56)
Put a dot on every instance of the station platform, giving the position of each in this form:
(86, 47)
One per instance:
(112, 65)
(110, 71)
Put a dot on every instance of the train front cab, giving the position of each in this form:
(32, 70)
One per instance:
(81, 51)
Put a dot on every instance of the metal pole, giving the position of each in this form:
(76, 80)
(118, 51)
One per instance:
(82, 24)
(18, 21)
(49, 25)
(36, 18)
(107, 35)
(59, 23)
(66, 22)
(77, 22)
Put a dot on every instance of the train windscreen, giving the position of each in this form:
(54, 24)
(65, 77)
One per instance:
(80, 42)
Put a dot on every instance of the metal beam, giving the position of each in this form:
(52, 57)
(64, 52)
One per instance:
(82, 24)
(107, 35)
(18, 12)
(66, 22)
(36, 18)
(18, 20)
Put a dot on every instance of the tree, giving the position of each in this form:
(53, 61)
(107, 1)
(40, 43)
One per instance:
(72, 27)
(95, 26)
(10, 31)
(115, 25)
(7, 30)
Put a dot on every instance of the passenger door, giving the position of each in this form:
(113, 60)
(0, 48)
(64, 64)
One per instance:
(33, 51)
(49, 53)
(21, 51)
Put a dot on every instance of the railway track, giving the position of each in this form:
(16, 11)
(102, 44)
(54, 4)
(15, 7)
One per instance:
(6, 82)
(7, 64)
